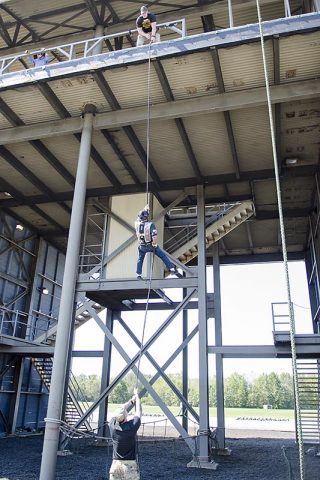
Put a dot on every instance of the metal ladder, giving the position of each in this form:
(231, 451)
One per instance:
(309, 392)
(74, 410)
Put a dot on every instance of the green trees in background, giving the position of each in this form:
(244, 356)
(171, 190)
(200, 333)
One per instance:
(271, 389)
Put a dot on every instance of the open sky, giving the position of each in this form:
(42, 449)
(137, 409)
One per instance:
(247, 292)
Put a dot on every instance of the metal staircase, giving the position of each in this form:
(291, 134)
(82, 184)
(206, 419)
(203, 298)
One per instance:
(309, 395)
(74, 410)
(216, 228)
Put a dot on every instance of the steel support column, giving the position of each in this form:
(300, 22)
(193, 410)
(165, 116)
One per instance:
(15, 400)
(51, 438)
(185, 365)
(99, 32)
(105, 378)
(202, 306)
(218, 342)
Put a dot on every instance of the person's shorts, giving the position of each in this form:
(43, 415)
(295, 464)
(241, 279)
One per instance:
(124, 470)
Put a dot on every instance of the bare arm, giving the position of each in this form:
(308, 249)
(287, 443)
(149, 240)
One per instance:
(154, 29)
(137, 403)
(142, 33)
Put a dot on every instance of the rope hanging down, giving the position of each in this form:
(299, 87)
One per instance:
(145, 319)
(148, 126)
(285, 256)
(147, 203)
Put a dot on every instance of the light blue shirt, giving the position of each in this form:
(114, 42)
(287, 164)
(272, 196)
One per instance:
(40, 61)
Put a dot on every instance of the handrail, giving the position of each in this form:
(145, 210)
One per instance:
(68, 50)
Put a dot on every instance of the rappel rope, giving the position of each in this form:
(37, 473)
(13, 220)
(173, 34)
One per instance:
(148, 126)
(145, 319)
(285, 256)
(147, 203)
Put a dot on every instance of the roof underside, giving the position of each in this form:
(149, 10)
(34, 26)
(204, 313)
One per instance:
(229, 148)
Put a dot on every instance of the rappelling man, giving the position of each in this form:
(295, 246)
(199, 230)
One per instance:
(148, 242)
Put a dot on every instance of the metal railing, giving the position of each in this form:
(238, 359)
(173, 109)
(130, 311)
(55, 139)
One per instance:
(84, 48)
(190, 231)
(280, 317)
(15, 323)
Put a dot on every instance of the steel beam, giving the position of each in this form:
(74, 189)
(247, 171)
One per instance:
(31, 351)
(131, 364)
(179, 184)
(185, 376)
(264, 351)
(178, 108)
(218, 342)
(105, 378)
(203, 334)
(162, 373)
(51, 438)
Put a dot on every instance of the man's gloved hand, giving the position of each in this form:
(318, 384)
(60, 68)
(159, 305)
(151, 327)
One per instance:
(154, 245)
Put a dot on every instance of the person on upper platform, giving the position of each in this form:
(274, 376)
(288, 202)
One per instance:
(39, 59)
(148, 242)
(147, 27)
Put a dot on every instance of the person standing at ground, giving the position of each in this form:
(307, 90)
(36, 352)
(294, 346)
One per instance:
(123, 434)
(39, 59)
(148, 242)
(147, 27)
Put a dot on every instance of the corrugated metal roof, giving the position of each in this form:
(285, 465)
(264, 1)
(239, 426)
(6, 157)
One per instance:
(167, 152)
(265, 194)
(300, 130)
(75, 92)
(252, 138)
(130, 85)
(31, 159)
(129, 152)
(18, 181)
(265, 232)
(209, 139)
(4, 123)
(297, 192)
(239, 188)
(191, 75)
(242, 66)
(29, 104)
(32, 217)
(57, 212)
(111, 159)
(305, 62)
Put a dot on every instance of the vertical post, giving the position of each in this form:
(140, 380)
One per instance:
(185, 364)
(287, 8)
(218, 342)
(15, 400)
(202, 308)
(230, 13)
(99, 32)
(105, 378)
(51, 437)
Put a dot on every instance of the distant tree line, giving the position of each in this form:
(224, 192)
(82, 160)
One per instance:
(267, 389)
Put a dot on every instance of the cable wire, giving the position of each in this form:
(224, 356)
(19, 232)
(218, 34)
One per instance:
(285, 256)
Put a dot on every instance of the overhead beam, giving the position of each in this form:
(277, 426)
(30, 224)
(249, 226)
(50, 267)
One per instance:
(179, 184)
(290, 92)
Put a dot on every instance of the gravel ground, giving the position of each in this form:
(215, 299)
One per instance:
(251, 458)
